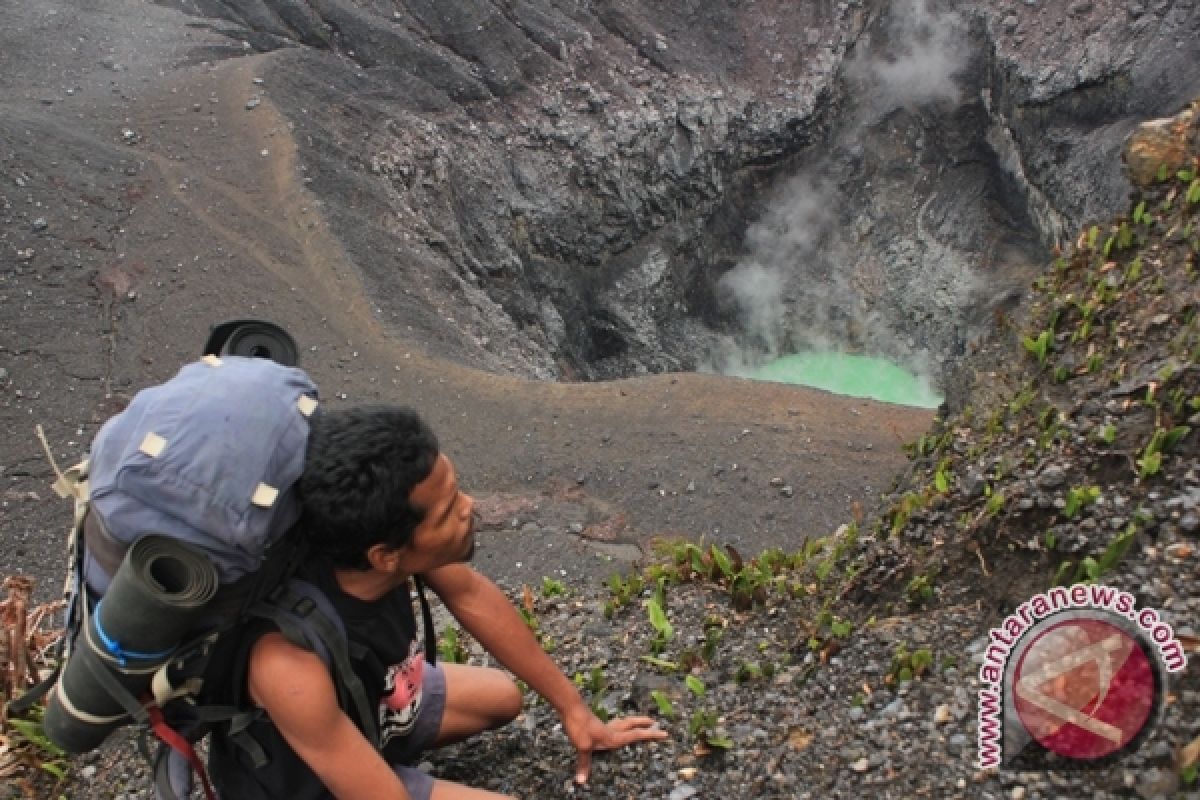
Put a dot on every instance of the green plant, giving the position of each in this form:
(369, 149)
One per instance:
(908, 666)
(663, 702)
(29, 740)
(695, 685)
(714, 631)
(747, 671)
(450, 646)
(1107, 434)
(660, 663)
(919, 590)
(553, 588)
(623, 591)
(903, 510)
(1162, 440)
(942, 476)
(1080, 497)
(841, 628)
(1124, 236)
(1139, 216)
(703, 728)
(1039, 346)
(531, 620)
(1135, 270)
(663, 629)
(995, 502)
(596, 684)
(1091, 569)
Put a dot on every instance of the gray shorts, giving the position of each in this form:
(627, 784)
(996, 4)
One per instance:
(429, 721)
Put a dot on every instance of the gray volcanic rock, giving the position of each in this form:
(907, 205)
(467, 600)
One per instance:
(580, 185)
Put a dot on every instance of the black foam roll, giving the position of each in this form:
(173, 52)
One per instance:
(157, 596)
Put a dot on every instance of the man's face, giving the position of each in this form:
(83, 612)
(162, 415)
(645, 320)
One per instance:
(447, 533)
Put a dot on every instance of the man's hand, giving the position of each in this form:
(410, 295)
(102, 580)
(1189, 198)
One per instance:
(588, 734)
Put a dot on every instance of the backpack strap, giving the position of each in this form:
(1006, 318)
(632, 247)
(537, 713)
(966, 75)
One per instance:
(307, 619)
(427, 621)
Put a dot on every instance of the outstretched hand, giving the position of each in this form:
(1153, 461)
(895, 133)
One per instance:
(588, 734)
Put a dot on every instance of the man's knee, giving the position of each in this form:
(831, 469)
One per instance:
(512, 698)
(487, 694)
(506, 697)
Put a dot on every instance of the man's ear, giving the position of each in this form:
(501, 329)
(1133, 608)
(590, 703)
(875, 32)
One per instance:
(384, 558)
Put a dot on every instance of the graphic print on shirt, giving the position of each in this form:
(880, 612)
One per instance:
(401, 701)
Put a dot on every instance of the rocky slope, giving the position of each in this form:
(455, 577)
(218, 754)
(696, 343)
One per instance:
(598, 190)
(851, 666)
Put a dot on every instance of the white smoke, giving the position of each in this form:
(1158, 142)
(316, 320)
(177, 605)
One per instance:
(789, 235)
(930, 49)
(801, 235)
(758, 292)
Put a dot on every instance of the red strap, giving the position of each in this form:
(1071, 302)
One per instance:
(179, 744)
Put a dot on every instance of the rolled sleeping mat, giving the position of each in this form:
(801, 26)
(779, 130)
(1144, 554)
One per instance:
(156, 598)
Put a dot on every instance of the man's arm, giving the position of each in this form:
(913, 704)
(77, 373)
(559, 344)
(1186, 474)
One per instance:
(296, 690)
(486, 613)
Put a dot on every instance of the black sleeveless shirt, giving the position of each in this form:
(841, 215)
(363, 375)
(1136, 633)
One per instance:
(386, 655)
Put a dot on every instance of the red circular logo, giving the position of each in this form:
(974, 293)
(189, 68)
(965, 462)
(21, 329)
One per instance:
(1084, 688)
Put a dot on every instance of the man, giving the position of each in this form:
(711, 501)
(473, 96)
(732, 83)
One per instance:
(382, 504)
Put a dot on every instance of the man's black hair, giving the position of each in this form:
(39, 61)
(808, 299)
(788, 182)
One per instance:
(360, 467)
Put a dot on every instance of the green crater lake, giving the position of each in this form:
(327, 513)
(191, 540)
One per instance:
(851, 375)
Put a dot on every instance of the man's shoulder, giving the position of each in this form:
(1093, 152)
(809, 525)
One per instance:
(275, 662)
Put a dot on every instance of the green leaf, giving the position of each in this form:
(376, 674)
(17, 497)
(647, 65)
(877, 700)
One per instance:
(1090, 568)
(1108, 434)
(661, 663)
(716, 740)
(663, 702)
(695, 685)
(1116, 550)
(1135, 270)
(1124, 236)
(1139, 213)
(1150, 465)
(1174, 436)
(941, 482)
(658, 619)
(721, 559)
(1193, 192)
